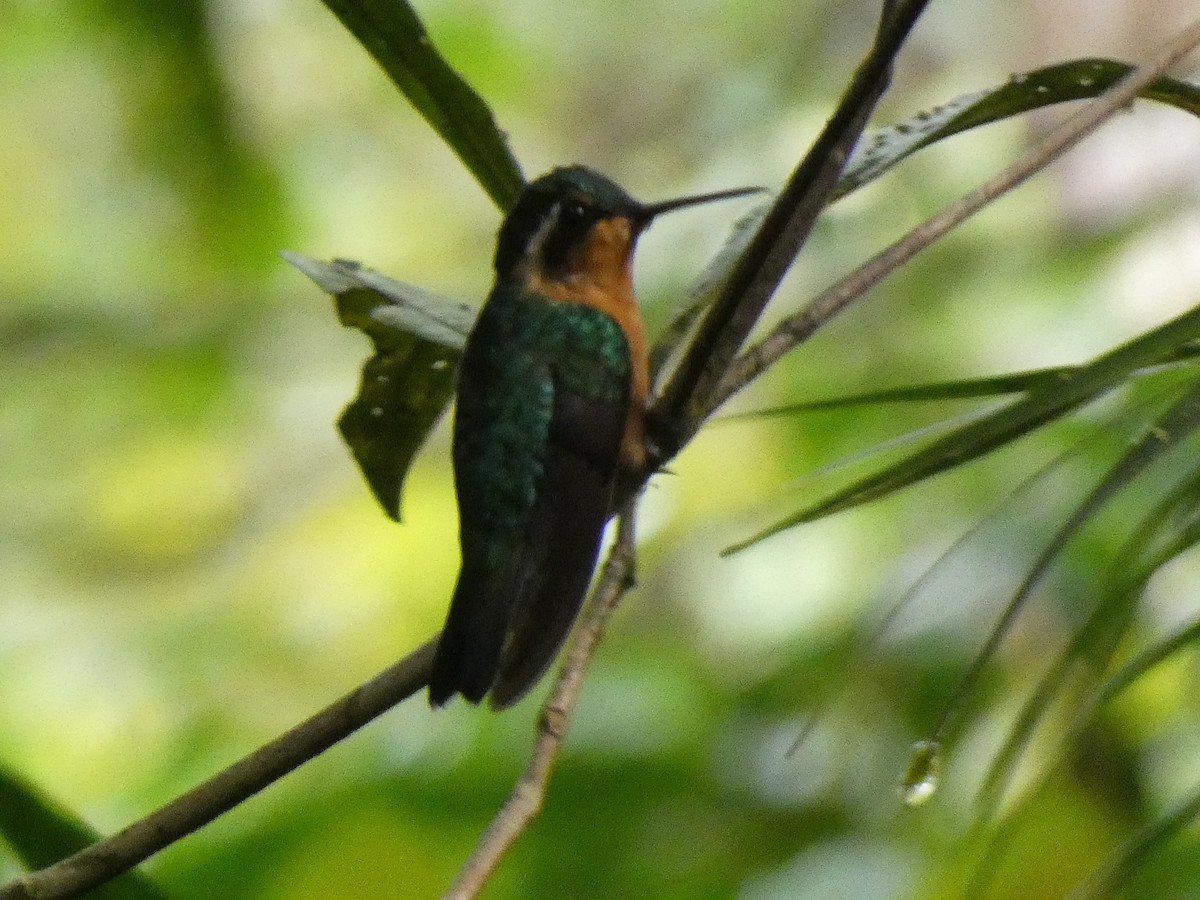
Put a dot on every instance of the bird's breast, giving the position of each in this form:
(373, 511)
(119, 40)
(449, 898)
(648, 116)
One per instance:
(601, 279)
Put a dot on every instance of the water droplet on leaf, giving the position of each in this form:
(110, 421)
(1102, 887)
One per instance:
(920, 780)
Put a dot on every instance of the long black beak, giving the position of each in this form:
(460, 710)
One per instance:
(652, 210)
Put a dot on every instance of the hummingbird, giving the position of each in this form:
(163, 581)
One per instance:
(550, 411)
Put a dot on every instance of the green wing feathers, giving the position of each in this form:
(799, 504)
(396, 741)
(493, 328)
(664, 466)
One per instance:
(542, 403)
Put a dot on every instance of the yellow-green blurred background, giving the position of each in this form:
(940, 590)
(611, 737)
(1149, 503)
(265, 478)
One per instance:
(190, 562)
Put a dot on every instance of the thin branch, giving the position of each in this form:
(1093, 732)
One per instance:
(525, 800)
(799, 327)
(108, 858)
(783, 232)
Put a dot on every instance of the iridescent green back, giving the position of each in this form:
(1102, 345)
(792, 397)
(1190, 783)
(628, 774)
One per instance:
(521, 347)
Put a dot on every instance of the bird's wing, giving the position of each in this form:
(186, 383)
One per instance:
(537, 434)
(563, 541)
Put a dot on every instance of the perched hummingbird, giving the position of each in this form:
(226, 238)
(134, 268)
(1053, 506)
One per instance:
(551, 399)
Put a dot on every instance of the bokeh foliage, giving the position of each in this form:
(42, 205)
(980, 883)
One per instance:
(192, 563)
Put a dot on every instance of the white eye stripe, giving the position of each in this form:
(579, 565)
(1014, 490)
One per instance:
(548, 224)
(562, 224)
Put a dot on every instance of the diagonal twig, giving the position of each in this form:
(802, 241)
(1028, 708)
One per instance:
(110, 857)
(799, 327)
(525, 799)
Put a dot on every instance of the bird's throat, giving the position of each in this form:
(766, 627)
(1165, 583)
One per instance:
(599, 275)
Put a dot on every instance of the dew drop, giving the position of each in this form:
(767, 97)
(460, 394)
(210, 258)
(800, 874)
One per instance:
(439, 365)
(920, 780)
(376, 411)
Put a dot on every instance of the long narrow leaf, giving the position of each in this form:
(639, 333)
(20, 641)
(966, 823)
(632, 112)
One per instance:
(1122, 862)
(1079, 79)
(960, 389)
(1022, 417)
(883, 148)
(777, 241)
(1094, 642)
(392, 33)
(705, 288)
(41, 833)
(866, 647)
(1165, 434)
(1083, 717)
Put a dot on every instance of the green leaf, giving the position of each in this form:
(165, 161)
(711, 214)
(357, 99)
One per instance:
(392, 33)
(408, 382)
(1163, 435)
(961, 389)
(41, 833)
(1094, 643)
(1116, 869)
(705, 287)
(1079, 79)
(1170, 529)
(1078, 387)
(881, 149)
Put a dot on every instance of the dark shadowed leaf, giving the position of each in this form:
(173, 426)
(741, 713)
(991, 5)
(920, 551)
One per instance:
(41, 833)
(393, 34)
(408, 381)
(704, 289)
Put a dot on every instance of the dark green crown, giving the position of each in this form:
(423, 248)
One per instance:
(560, 208)
(583, 197)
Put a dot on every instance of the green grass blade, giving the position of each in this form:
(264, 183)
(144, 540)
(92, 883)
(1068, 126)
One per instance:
(1079, 79)
(961, 389)
(1097, 639)
(1165, 434)
(1011, 422)
(392, 33)
(1160, 652)
(1106, 878)
(41, 833)
(704, 289)
(408, 381)
(1155, 541)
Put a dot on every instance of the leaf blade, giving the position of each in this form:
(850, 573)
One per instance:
(1011, 422)
(883, 148)
(41, 833)
(407, 382)
(392, 33)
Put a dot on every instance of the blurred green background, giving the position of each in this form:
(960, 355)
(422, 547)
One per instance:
(191, 562)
